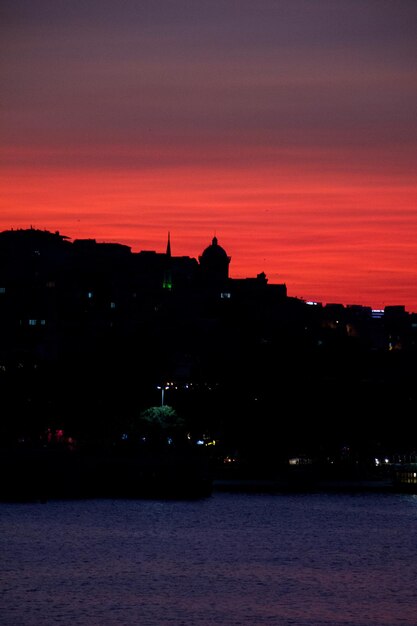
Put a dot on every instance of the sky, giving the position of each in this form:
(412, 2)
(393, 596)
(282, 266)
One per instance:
(286, 128)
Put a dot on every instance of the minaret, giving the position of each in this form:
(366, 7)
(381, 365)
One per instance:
(168, 252)
(167, 280)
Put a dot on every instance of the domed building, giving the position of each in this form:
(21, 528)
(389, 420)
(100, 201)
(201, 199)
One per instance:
(214, 263)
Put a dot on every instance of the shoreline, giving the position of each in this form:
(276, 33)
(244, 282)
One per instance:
(320, 486)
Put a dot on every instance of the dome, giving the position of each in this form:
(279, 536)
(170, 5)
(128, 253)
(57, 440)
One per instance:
(214, 251)
(214, 263)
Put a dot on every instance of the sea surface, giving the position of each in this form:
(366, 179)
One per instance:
(230, 559)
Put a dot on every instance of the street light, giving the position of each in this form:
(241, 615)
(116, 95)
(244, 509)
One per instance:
(162, 388)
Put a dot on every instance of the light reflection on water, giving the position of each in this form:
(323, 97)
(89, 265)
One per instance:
(231, 559)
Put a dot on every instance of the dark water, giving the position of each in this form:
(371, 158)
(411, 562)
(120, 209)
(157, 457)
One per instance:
(305, 560)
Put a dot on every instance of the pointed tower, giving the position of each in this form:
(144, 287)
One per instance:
(167, 280)
(168, 252)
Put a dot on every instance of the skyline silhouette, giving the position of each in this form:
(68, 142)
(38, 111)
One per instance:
(94, 335)
(165, 249)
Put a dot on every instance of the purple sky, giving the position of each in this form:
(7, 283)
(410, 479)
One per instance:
(288, 127)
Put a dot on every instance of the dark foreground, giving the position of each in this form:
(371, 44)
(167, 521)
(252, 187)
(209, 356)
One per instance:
(42, 474)
(48, 474)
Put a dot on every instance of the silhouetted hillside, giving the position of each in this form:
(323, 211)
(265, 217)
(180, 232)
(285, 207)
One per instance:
(89, 331)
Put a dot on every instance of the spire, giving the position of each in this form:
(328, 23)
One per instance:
(167, 278)
(168, 252)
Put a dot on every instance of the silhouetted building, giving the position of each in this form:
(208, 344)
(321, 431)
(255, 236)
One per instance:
(87, 331)
(214, 264)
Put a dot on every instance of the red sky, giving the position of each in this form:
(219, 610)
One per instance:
(288, 129)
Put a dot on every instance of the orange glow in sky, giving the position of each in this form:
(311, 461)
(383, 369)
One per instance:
(287, 129)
